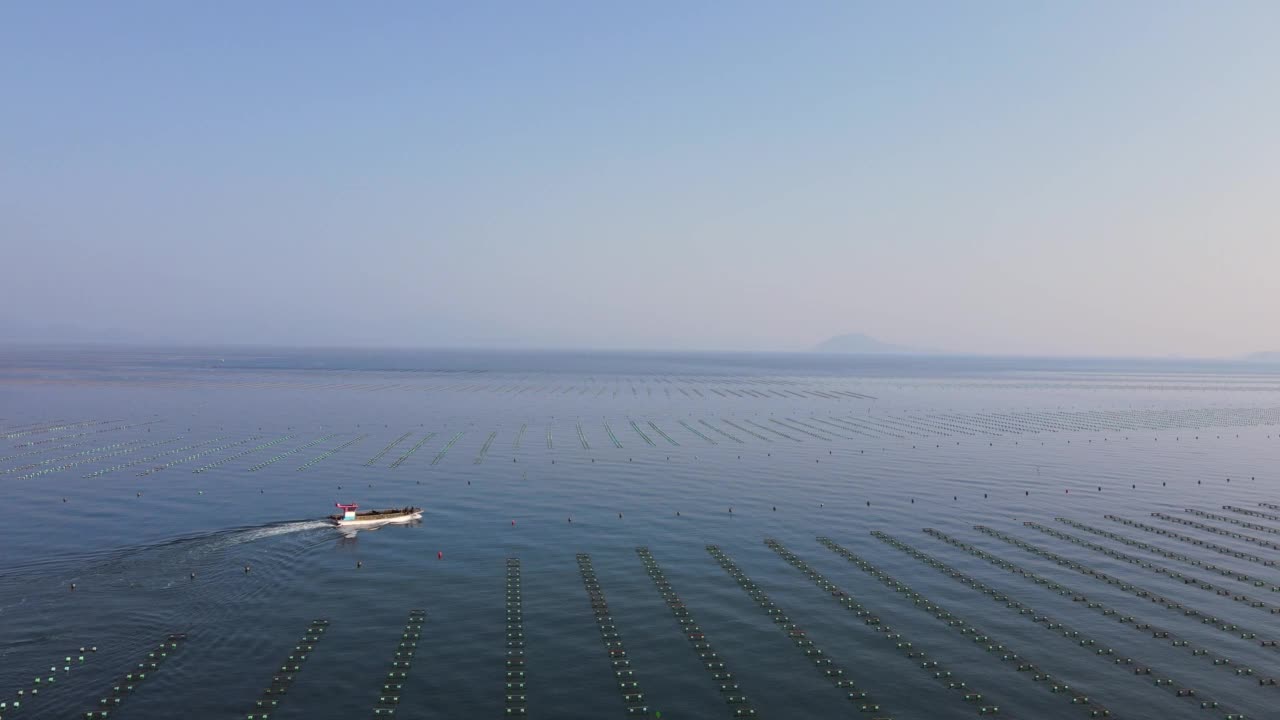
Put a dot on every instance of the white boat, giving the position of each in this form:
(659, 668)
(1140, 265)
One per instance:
(350, 516)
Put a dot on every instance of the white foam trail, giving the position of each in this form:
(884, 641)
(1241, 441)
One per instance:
(253, 534)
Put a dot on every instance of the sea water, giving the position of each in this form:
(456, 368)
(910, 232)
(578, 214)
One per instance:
(183, 491)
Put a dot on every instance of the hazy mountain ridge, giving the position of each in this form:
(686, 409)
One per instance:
(859, 343)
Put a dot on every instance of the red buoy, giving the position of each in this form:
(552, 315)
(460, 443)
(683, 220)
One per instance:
(439, 554)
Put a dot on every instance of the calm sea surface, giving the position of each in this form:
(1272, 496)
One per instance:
(180, 492)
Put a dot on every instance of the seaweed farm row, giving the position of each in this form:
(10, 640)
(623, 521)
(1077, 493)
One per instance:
(288, 671)
(849, 383)
(871, 425)
(516, 702)
(123, 689)
(401, 662)
(830, 599)
(649, 387)
(602, 435)
(19, 702)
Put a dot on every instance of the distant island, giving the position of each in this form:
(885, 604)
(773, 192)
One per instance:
(1268, 357)
(858, 343)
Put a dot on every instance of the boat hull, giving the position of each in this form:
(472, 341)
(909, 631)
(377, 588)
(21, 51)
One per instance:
(376, 518)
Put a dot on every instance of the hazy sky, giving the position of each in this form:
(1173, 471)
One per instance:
(1022, 177)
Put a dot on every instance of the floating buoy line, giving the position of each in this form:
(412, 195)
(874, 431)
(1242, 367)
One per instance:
(798, 429)
(825, 665)
(484, 449)
(401, 460)
(739, 703)
(14, 430)
(72, 456)
(519, 434)
(752, 433)
(517, 703)
(697, 432)
(628, 686)
(1148, 629)
(663, 433)
(152, 458)
(288, 670)
(715, 429)
(1159, 569)
(1172, 555)
(770, 430)
(388, 448)
(859, 427)
(325, 455)
(1221, 549)
(817, 431)
(1234, 521)
(1217, 530)
(640, 432)
(85, 461)
(1082, 641)
(126, 686)
(21, 432)
(87, 433)
(916, 655)
(1018, 661)
(612, 437)
(847, 428)
(73, 436)
(582, 437)
(237, 456)
(440, 455)
(41, 451)
(300, 448)
(22, 699)
(1167, 603)
(197, 456)
(401, 662)
(1253, 513)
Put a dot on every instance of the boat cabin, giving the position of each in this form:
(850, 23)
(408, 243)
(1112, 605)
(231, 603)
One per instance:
(348, 511)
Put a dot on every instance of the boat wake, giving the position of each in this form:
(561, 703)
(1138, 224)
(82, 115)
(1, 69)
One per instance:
(173, 551)
(238, 536)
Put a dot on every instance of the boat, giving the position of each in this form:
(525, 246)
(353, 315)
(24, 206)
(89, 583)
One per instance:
(351, 516)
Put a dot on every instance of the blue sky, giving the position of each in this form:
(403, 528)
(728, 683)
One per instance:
(1005, 177)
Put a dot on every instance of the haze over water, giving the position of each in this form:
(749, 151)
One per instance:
(127, 471)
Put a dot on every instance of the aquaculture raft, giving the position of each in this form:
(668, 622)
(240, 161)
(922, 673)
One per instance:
(711, 660)
(127, 685)
(824, 664)
(1030, 669)
(289, 669)
(12, 707)
(516, 701)
(627, 684)
(389, 698)
(872, 620)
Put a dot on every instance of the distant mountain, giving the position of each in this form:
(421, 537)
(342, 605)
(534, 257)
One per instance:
(857, 343)
(1267, 357)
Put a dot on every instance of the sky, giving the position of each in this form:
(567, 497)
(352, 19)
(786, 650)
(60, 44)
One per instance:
(1079, 178)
